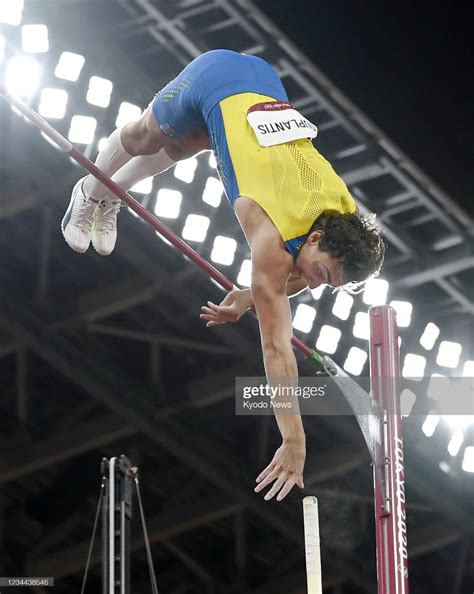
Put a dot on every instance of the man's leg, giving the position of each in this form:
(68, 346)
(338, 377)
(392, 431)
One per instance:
(142, 137)
(104, 234)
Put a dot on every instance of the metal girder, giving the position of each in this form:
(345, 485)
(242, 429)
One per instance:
(434, 273)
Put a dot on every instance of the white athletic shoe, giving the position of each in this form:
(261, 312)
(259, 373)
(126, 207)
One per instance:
(78, 222)
(104, 234)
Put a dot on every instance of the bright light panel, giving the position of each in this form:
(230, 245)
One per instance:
(212, 160)
(459, 421)
(468, 461)
(361, 327)
(328, 339)
(375, 292)
(429, 336)
(185, 170)
(223, 251)
(414, 366)
(468, 369)
(403, 309)
(2, 49)
(304, 317)
(245, 275)
(455, 442)
(430, 424)
(448, 354)
(34, 39)
(407, 400)
(144, 186)
(11, 11)
(127, 113)
(22, 76)
(195, 227)
(53, 103)
(355, 361)
(69, 66)
(213, 192)
(168, 203)
(342, 305)
(316, 293)
(82, 129)
(99, 91)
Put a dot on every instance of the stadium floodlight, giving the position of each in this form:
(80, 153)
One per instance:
(468, 369)
(195, 227)
(304, 318)
(328, 339)
(245, 275)
(2, 48)
(407, 401)
(430, 423)
(11, 12)
(168, 203)
(455, 442)
(355, 361)
(22, 75)
(185, 170)
(448, 354)
(429, 336)
(127, 113)
(99, 91)
(144, 186)
(34, 39)
(361, 327)
(69, 66)
(223, 250)
(212, 161)
(53, 103)
(468, 460)
(82, 129)
(404, 310)
(375, 292)
(213, 192)
(342, 305)
(414, 366)
(316, 293)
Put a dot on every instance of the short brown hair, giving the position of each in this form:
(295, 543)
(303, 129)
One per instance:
(355, 242)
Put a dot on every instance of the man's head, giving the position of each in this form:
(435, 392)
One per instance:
(341, 249)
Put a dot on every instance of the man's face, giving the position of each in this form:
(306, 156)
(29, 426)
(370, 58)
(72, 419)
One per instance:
(315, 266)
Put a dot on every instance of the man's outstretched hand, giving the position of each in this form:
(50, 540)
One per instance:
(286, 469)
(231, 308)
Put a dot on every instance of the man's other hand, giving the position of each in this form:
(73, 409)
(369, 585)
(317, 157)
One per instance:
(231, 308)
(286, 469)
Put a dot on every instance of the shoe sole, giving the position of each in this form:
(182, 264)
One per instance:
(67, 216)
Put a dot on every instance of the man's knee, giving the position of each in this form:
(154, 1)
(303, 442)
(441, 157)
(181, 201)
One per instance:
(137, 139)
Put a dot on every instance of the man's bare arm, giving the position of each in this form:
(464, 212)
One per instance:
(270, 269)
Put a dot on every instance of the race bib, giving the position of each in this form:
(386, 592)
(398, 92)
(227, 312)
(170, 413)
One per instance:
(277, 122)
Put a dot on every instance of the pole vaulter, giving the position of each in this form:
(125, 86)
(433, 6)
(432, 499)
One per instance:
(379, 416)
